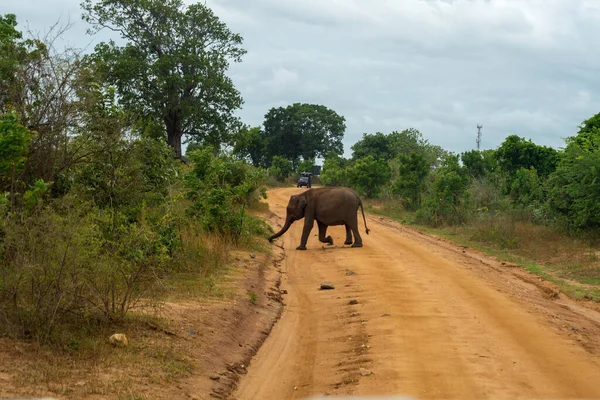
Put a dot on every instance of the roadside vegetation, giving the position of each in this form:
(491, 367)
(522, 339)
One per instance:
(127, 179)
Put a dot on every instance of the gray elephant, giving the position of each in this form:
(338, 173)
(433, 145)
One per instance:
(328, 206)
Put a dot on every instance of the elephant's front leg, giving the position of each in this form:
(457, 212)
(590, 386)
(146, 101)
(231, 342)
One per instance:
(348, 235)
(323, 232)
(308, 225)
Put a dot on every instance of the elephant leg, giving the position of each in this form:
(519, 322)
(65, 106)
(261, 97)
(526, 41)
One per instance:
(309, 222)
(323, 232)
(348, 235)
(353, 223)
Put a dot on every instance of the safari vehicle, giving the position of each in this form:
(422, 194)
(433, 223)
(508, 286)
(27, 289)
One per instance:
(304, 179)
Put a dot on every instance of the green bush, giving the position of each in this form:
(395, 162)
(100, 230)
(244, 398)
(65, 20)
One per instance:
(222, 189)
(448, 202)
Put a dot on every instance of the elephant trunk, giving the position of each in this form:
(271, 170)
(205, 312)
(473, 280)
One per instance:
(288, 222)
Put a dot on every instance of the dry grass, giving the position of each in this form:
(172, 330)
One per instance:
(91, 366)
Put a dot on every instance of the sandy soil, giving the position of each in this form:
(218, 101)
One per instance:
(432, 320)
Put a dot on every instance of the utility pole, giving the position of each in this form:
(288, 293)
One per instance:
(479, 126)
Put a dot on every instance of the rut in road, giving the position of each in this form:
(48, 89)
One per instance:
(428, 322)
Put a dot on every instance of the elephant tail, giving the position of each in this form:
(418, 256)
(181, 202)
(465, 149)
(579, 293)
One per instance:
(363, 214)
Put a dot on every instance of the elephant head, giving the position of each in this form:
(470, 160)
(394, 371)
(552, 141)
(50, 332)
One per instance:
(294, 212)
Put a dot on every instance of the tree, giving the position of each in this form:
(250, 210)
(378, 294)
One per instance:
(412, 141)
(222, 188)
(479, 163)
(526, 187)
(14, 142)
(173, 67)
(376, 145)
(446, 205)
(588, 136)
(250, 143)
(335, 171)
(41, 84)
(574, 188)
(516, 152)
(281, 168)
(410, 184)
(368, 175)
(305, 166)
(303, 131)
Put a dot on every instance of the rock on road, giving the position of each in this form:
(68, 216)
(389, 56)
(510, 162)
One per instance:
(430, 320)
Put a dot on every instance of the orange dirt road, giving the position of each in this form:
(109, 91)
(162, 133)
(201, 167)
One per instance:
(432, 320)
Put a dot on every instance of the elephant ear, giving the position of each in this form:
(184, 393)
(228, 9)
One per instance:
(302, 202)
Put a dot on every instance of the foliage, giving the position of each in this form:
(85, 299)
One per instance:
(250, 143)
(526, 187)
(516, 152)
(14, 145)
(280, 168)
(302, 131)
(479, 163)
(388, 147)
(574, 188)
(447, 204)
(305, 166)
(60, 265)
(588, 136)
(172, 69)
(376, 145)
(222, 189)
(410, 184)
(335, 171)
(368, 175)
(18, 61)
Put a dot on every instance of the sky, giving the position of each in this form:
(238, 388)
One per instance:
(525, 67)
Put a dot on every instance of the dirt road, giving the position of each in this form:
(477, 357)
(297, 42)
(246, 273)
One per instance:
(432, 320)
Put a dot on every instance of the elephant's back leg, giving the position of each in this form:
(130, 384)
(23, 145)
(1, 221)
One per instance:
(352, 222)
(348, 234)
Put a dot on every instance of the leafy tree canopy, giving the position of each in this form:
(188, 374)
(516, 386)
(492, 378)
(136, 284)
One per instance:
(14, 142)
(516, 152)
(303, 131)
(479, 163)
(376, 145)
(388, 147)
(250, 143)
(173, 67)
(410, 184)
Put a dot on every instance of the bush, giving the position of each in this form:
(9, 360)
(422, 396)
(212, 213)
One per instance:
(222, 189)
(64, 264)
(448, 203)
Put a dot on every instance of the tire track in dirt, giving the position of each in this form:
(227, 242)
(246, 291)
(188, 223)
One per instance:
(429, 322)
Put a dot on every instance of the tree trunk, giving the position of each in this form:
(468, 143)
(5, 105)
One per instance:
(174, 131)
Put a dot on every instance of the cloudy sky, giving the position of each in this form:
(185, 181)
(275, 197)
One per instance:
(528, 67)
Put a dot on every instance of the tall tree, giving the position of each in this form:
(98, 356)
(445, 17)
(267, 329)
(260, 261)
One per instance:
(516, 152)
(173, 67)
(250, 143)
(410, 184)
(376, 145)
(574, 188)
(479, 162)
(303, 131)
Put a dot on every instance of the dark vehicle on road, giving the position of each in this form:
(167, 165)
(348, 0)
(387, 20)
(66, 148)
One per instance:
(304, 180)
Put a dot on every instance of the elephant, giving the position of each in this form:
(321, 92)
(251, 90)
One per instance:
(328, 206)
